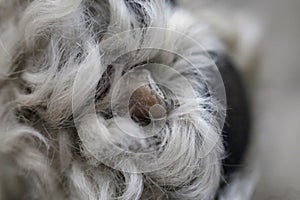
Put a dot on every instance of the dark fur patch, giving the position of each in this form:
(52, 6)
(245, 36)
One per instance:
(236, 130)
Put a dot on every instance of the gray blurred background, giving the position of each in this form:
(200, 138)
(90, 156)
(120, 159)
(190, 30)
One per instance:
(276, 93)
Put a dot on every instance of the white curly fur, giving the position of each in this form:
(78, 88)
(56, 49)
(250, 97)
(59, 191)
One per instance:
(50, 146)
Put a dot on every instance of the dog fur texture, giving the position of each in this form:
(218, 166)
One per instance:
(51, 147)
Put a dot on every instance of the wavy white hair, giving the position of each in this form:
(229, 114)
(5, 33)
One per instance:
(59, 135)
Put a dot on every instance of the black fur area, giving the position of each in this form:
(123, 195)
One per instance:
(236, 131)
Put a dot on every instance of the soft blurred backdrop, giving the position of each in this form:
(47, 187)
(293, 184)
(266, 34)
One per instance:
(276, 93)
